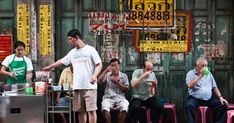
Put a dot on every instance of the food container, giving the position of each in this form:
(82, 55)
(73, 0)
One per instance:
(40, 87)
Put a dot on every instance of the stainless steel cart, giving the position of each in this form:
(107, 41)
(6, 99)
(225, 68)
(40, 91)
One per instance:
(20, 108)
(52, 108)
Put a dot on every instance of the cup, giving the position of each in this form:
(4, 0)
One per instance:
(206, 71)
(29, 91)
(65, 86)
(14, 88)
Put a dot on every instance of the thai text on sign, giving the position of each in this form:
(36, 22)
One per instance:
(106, 21)
(151, 13)
(172, 40)
(5, 46)
(23, 25)
(45, 30)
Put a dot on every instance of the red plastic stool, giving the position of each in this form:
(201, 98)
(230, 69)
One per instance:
(230, 106)
(147, 110)
(203, 110)
(230, 114)
(172, 107)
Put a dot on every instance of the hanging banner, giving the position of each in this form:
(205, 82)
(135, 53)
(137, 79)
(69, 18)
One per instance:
(5, 46)
(23, 24)
(110, 49)
(106, 21)
(151, 14)
(45, 29)
(172, 40)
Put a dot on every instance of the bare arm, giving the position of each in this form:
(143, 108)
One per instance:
(54, 65)
(137, 82)
(5, 72)
(217, 92)
(102, 75)
(98, 69)
(122, 87)
(194, 82)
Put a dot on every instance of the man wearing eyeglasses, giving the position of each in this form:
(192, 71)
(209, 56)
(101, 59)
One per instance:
(143, 89)
(200, 87)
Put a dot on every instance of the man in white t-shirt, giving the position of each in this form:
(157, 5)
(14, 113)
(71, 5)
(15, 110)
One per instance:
(86, 64)
(17, 67)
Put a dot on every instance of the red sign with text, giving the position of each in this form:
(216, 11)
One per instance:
(5, 46)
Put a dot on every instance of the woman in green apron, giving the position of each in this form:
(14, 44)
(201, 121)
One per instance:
(17, 67)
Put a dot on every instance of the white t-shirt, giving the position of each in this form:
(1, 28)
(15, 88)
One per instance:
(6, 62)
(83, 61)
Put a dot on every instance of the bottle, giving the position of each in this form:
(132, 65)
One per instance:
(206, 71)
(49, 86)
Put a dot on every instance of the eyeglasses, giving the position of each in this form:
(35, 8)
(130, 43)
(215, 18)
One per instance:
(204, 65)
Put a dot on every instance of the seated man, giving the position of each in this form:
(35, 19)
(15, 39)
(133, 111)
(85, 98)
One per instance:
(142, 82)
(200, 89)
(63, 99)
(114, 96)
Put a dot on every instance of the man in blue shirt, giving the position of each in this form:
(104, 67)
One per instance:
(200, 89)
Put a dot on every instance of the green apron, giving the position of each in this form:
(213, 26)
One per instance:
(19, 68)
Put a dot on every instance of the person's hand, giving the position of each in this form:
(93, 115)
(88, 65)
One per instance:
(47, 68)
(202, 70)
(11, 74)
(223, 101)
(115, 80)
(147, 73)
(29, 76)
(93, 79)
(108, 69)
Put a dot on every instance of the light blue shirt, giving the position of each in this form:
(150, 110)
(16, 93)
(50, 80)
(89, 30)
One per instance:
(203, 89)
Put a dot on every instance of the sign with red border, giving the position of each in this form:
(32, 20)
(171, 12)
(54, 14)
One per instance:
(5, 46)
(167, 40)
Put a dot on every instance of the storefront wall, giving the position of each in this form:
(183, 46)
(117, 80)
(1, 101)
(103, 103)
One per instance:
(212, 37)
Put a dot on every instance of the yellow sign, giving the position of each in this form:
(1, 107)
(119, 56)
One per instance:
(151, 13)
(173, 40)
(23, 25)
(45, 30)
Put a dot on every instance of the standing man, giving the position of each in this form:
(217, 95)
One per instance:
(200, 89)
(143, 87)
(17, 67)
(86, 65)
(114, 96)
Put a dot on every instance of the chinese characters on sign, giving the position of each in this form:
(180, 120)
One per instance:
(172, 40)
(151, 13)
(106, 21)
(45, 30)
(5, 46)
(110, 48)
(23, 25)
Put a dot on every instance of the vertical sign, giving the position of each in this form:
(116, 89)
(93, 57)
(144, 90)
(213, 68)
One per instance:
(45, 30)
(23, 24)
(5, 46)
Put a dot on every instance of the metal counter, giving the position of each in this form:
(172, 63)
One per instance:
(22, 109)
